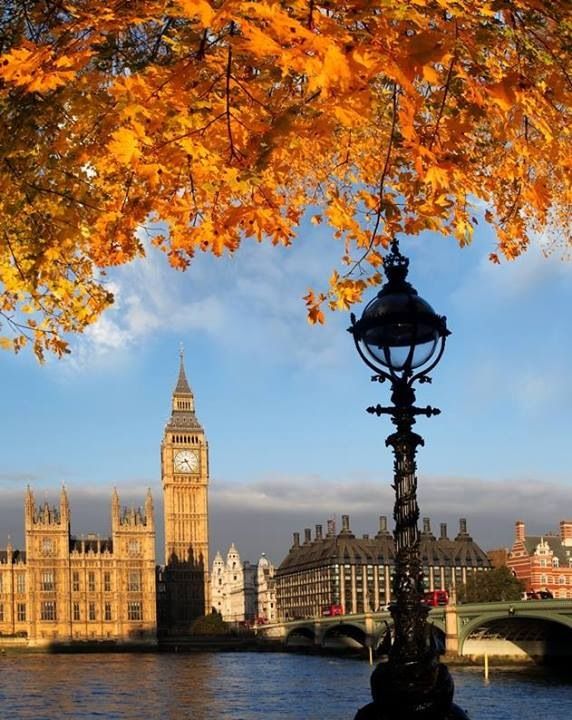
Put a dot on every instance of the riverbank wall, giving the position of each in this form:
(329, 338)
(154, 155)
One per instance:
(241, 643)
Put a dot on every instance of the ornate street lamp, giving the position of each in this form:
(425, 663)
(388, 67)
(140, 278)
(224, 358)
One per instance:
(401, 338)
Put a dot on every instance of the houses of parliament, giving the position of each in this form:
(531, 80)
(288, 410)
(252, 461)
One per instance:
(63, 589)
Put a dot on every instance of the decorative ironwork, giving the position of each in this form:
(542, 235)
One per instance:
(412, 684)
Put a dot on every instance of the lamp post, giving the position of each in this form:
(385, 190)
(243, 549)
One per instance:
(401, 338)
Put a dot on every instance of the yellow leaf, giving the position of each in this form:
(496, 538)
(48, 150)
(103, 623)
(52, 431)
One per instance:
(437, 176)
(124, 145)
(503, 94)
(430, 74)
(198, 8)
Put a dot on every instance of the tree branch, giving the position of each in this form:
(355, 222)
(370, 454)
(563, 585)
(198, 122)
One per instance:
(384, 173)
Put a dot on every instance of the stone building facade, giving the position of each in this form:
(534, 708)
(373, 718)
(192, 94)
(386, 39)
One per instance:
(267, 611)
(65, 588)
(357, 573)
(242, 592)
(543, 562)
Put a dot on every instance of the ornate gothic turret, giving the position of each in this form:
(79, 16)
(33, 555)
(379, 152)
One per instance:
(149, 509)
(29, 505)
(64, 506)
(115, 508)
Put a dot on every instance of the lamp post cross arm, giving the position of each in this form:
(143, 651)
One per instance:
(393, 411)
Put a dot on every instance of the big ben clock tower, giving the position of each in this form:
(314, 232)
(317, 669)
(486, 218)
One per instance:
(185, 476)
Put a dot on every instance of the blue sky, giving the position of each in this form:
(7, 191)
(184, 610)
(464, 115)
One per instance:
(283, 402)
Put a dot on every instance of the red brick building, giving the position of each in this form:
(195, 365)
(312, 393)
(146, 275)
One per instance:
(543, 562)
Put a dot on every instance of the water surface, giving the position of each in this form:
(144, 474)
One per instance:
(244, 686)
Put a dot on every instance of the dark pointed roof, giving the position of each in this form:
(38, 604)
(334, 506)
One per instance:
(555, 545)
(182, 387)
(183, 419)
(347, 548)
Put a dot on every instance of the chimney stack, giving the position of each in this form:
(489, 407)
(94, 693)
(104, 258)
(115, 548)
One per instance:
(463, 526)
(296, 538)
(307, 535)
(519, 530)
(427, 525)
(382, 524)
(331, 528)
(318, 532)
(566, 532)
(443, 535)
(345, 523)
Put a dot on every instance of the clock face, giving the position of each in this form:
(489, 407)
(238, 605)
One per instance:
(186, 461)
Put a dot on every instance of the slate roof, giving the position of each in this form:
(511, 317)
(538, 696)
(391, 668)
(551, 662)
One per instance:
(346, 548)
(554, 542)
(183, 420)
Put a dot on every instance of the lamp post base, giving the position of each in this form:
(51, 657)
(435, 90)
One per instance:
(410, 693)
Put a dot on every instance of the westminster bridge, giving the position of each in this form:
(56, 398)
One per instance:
(519, 629)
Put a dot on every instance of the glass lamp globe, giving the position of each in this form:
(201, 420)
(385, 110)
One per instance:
(398, 332)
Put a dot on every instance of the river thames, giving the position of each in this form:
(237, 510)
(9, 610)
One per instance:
(244, 686)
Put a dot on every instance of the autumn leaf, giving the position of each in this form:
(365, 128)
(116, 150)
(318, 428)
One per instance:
(503, 94)
(198, 8)
(124, 146)
(223, 122)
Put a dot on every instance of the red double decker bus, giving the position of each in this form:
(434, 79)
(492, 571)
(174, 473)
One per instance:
(332, 610)
(436, 598)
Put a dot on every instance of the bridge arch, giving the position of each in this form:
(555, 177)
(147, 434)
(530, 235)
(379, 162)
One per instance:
(336, 635)
(300, 636)
(383, 627)
(474, 623)
(522, 634)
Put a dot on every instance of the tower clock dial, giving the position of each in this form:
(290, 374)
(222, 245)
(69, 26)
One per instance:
(185, 461)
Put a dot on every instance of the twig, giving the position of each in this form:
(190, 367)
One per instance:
(445, 92)
(233, 153)
(381, 184)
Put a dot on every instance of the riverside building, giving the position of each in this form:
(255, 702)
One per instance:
(356, 573)
(63, 588)
(242, 592)
(543, 562)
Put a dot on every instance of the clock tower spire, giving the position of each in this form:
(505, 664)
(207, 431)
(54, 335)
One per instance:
(185, 477)
(183, 397)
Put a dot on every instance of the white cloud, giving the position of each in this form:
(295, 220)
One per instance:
(540, 389)
(511, 281)
(261, 516)
(248, 303)
(149, 298)
(437, 495)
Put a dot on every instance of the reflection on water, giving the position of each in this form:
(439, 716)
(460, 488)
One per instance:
(243, 686)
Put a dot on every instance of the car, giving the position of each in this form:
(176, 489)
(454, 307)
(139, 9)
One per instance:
(537, 595)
